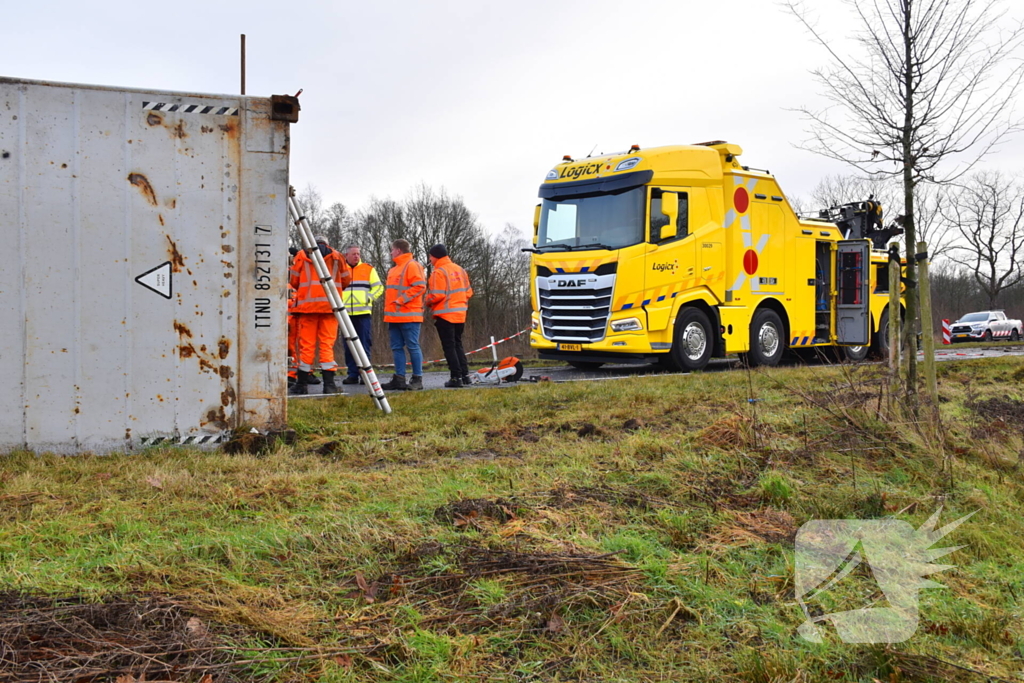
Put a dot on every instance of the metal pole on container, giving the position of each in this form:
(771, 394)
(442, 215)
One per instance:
(926, 323)
(243, 63)
(348, 331)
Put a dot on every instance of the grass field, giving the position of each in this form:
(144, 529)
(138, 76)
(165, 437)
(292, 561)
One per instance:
(631, 530)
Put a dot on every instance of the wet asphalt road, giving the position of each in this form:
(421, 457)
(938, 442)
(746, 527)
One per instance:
(566, 373)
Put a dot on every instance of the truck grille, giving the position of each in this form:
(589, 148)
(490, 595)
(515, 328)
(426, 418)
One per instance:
(575, 314)
(960, 329)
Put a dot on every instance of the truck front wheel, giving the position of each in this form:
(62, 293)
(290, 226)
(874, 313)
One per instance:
(767, 339)
(693, 343)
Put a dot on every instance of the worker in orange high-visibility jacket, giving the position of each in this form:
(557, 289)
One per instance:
(403, 312)
(317, 325)
(293, 338)
(448, 293)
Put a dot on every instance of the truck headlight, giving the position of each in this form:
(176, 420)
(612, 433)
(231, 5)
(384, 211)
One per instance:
(627, 325)
(627, 164)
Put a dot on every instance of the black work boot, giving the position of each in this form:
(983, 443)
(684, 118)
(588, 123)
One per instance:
(453, 383)
(351, 380)
(329, 386)
(300, 388)
(416, 383)
(397, 383)
(466, 381)
(313, 379)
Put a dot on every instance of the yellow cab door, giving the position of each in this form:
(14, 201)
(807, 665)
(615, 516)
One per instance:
(670, 265)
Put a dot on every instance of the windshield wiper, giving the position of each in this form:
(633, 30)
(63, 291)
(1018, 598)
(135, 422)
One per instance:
(564, 247)
(596, 246)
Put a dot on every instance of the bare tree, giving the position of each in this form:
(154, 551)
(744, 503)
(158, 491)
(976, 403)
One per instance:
(311, 203)
(934, 82)
(988, 213)
(435, 217)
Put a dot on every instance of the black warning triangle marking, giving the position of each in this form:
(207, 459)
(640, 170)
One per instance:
(157, 279)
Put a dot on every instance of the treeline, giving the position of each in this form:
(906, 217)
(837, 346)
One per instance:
(498, 269)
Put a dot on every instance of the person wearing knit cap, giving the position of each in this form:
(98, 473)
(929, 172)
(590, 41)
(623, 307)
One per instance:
(448, 294)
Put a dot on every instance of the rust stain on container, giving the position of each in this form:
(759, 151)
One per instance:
(177, 262)
(160, 216)
(227, 248)
(206, 365)
(223, 347)
(155, 120)
(182, 330)
(227, 397)
(186, 350)
(226, 372)
(231, 129)
(142, 182)
(179, 130)
(216, 417)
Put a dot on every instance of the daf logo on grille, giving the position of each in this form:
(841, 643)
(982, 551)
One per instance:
(582, 282)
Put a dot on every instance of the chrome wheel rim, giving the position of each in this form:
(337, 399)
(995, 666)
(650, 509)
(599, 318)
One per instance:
(768, 340)
(694, 341)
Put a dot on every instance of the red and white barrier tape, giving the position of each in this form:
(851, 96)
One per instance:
(468, 353)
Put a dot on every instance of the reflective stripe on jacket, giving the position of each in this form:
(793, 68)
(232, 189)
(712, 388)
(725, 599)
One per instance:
(365, 288)
(403, 297)
(448, 296)
(310, 296)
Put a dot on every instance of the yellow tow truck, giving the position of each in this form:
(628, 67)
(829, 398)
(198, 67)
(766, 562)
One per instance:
(679, 254)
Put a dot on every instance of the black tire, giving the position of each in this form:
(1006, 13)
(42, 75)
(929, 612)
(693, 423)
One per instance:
(1014, 336)
(666, 362)
(518, 373)
(767, 339)
(856, 354)
(578, 364)
(880, 344)
(987, 337)
(692, 342)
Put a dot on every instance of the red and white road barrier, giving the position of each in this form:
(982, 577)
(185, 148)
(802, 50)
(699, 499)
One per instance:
(468, 353)
(947, 337)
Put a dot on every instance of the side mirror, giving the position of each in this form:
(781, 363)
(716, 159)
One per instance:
(669, 207)
(536, 223)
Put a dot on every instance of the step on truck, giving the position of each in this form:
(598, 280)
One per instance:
(679, 254)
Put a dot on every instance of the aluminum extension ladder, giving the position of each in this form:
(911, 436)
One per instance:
(331, 289)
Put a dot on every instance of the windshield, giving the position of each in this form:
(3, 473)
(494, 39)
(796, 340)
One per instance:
(610, 221)
(974, 318)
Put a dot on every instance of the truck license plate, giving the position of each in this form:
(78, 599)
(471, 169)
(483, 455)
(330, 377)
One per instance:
(570, 347)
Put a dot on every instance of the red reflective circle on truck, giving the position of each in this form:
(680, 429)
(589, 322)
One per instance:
(741, 200)
(750, 261)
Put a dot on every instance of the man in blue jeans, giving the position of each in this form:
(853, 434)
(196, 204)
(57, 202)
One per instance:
(358, 298)
(403, 312)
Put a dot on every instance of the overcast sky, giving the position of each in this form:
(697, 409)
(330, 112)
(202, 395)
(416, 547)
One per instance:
(479, 98)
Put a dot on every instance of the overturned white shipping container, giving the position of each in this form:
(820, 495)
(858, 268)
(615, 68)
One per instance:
(143, 266)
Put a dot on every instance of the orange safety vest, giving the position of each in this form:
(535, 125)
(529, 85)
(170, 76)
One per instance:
(310, 296)
(403, 297)
(449, 292)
